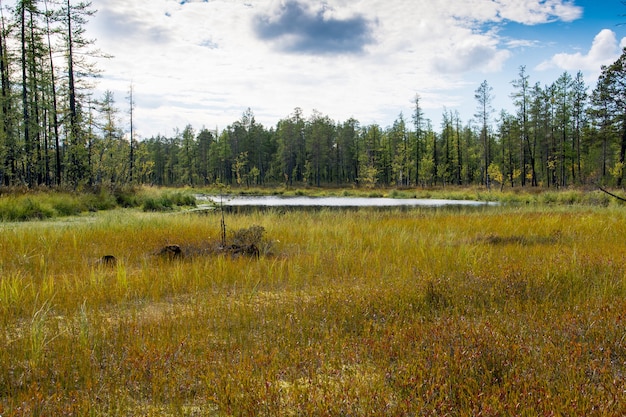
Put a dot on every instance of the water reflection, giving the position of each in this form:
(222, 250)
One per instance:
(339, 202)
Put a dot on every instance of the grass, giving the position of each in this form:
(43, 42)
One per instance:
(499, 311)
(21, 205)
(167, 201)
(47, 205)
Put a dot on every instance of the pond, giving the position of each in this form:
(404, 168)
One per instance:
(334, 202)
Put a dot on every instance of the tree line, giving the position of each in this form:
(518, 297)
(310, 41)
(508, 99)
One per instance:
(53, 132)
(46, 134)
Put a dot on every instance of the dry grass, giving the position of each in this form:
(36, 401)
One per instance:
(488, 312)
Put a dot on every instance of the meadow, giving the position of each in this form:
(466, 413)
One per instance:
(511, 310)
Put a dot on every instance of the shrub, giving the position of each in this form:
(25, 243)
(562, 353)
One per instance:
(182, 199)
(22, 209)
(127, 197)
(167, 201)
(250, 236)
(161, 203)
(102, 200)
(67, 206)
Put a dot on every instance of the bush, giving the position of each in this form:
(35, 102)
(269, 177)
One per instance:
(100, 200)
(34, 210)
(127, 197)
(182, 199)
(67, 206)
(167, 201)
(250, 236)
(161, 203)
(22, 209)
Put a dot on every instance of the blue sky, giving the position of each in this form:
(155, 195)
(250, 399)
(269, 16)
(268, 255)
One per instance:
(570, 40)
(204, 62)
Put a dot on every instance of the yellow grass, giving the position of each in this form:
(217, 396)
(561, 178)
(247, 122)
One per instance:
(497, 311)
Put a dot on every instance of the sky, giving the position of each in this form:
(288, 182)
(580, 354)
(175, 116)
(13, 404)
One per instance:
(205, 62)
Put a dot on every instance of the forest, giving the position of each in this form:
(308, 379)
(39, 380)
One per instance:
(55, 133)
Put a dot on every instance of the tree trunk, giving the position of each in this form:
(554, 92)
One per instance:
(622, 150)
(55, 113)
(5, 120)
(76, 174)
(25, 106)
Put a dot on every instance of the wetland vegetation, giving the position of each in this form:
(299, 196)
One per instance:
(125, 301)
(516, 309)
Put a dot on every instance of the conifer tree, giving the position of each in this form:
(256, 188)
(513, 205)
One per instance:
(418, 122)
(611, 95)
(484, 97)
(79, 68)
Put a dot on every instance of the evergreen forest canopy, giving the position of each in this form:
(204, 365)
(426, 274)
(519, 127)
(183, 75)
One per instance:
(53, 132)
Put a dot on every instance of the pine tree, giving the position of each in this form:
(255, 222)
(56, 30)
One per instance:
(79, 69)
(418, 123)
(484, 97)
(611, 95)
(527, 147)
(579, 97)
(8, 136)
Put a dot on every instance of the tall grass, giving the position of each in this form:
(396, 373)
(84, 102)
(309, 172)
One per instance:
(46, 205)
(506, 311)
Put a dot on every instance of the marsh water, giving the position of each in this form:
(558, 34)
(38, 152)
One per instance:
(333, 202)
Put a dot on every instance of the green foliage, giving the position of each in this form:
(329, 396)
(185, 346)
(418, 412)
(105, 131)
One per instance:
(368, 177)
(167, 201)
(45, 205)
(68, 206)
(559, 135)
(23, 208)
(102, 199)
(157, 204)
(126, 196)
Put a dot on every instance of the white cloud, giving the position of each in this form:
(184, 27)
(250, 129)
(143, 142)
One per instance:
(522, 43)
(201, 62)
(529, 12)
(471, 53)
(532, 12)
(604, 50)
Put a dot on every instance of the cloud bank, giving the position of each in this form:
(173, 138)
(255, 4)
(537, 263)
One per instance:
(205, 61)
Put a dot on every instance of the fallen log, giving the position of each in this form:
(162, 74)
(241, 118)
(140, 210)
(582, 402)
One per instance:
(611, 194)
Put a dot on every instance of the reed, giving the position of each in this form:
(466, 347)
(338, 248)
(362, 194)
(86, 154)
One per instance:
(504, 311)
